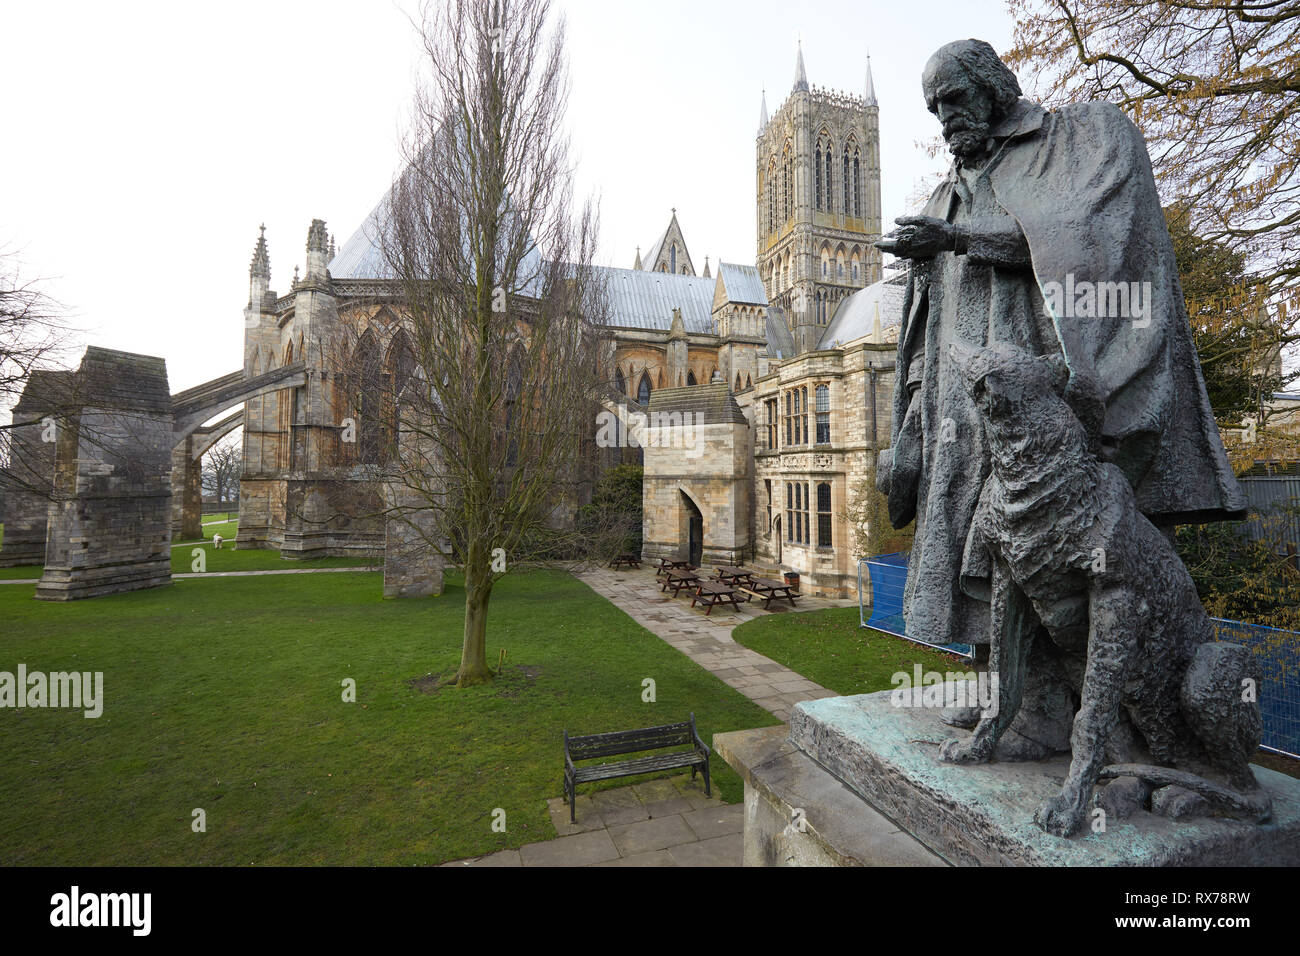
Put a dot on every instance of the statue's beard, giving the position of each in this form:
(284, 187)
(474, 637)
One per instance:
(967, 139)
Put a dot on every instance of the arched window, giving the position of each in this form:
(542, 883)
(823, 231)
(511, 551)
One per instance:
(288, 354)
(620, 383)
(830, 195)
(365, 385)
(857, 186)
(738, 385)
(643, 390)
(771, 194)
(690, 378)
(787, 182)
(823, 399)
(848, 178)
(824, 515)
(672, 259)
(513, 388)
(817, 166)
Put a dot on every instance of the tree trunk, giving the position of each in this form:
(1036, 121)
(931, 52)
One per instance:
(473, 654)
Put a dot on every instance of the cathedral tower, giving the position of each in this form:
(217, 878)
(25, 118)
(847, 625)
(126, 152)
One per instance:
(818, 198)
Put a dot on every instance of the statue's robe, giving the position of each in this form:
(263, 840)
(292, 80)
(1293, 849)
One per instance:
(1066, 198)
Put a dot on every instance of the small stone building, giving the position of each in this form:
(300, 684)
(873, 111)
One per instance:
(696, 489)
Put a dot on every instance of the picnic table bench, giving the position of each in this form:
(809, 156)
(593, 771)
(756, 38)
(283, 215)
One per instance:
(771, 591)
(621, 742)
(631, 560)
(733, 576)
(715, 594)
(678, 580)
(669, 564)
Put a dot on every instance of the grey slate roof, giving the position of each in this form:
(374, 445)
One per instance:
(359, 258)
(645, 300)
(708, 404)
(780, 341)
(856, 315)
(742, 284)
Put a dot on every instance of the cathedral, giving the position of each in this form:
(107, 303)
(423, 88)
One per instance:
(787, 363)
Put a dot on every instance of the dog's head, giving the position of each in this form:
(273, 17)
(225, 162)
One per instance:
(1020, 394)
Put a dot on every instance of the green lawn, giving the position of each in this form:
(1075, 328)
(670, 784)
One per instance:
(225, 694)
(830, 647)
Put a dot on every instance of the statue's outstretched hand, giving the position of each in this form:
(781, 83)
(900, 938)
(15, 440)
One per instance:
(919, 237)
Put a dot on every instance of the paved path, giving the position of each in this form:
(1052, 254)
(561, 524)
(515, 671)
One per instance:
(707, 639)
(665, 822)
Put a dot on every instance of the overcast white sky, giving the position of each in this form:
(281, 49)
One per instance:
(145, 142)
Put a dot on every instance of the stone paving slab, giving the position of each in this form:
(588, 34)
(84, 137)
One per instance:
(726, 850)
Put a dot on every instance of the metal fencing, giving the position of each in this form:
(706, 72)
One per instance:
(887, 577)
(1273, 502)
(1276, 652)
(1277, 656)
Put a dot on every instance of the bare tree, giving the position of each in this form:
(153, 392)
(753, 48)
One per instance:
(1215, 87)
(224, 461)
(34, 343)
(504, 309)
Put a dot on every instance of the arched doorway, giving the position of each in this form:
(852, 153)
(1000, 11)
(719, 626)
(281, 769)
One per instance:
(776, 535)
(694, 528)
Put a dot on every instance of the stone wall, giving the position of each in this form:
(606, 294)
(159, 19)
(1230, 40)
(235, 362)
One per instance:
(29, 481)
(110, 521)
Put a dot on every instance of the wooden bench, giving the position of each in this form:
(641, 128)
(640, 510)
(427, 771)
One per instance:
(771, 590)
(669, 564)
(631, 560)
(714, 594)
(680, 579)
(621, 742)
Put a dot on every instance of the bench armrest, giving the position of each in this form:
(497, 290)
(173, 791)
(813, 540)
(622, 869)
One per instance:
(696, 734)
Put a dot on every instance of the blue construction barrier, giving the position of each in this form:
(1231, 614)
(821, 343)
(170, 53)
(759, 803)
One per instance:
(1277, 652)
(888, 577)
(1277, 657)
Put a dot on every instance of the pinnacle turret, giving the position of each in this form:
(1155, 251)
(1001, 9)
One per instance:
(800, 74)
(871, 85)
(260, 268)
(762, 116)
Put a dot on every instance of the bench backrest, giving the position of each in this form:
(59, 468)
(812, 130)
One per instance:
(629, 741)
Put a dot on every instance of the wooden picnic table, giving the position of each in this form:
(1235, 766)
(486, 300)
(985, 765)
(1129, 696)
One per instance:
(680, 578)
(669, 564)
(771, 590)
(631, 560)
(714, 594)
(733, 576)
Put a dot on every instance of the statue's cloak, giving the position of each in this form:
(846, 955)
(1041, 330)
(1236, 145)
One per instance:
(1078, 182)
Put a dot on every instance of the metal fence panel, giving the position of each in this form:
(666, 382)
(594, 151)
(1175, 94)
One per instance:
(1266, 495)
(1277, 652)
(887, 577)
(1277, 655)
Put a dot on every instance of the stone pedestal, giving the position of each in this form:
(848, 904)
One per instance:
(868, 778)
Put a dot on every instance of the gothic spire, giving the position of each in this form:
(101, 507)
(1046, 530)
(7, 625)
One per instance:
(871, 85)
(261, 265)
(707, 274)
(637, 264)
(762, 119)
(800, 74)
